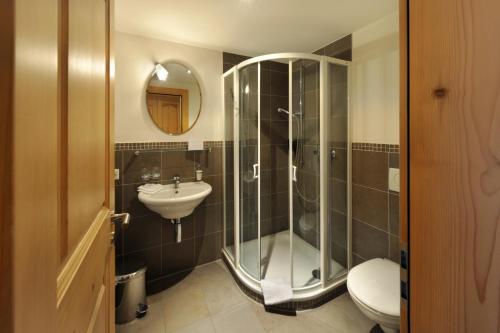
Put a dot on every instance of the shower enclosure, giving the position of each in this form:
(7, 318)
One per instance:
(287, 172)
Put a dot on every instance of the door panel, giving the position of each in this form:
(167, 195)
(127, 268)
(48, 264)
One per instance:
(62, 116)
(34, 167)
(86, 115)
(85, 284)
(82, 282)
(454, 166)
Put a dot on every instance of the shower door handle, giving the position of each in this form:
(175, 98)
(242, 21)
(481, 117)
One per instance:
(256, 171)
(294, 173)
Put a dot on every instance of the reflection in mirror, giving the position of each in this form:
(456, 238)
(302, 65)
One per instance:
(173, 98)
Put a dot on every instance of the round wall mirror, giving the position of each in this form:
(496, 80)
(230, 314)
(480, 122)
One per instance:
(173, 98)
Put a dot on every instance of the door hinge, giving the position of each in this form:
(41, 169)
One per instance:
(404, 290)
(404, 259)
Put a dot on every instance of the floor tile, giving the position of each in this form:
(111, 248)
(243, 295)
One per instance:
(267, 319)
(222, 297)
(301, 324)
(202, 326)
(240, 319)
(151, 323)
(209, 301)
(183, 308)
(342, 315)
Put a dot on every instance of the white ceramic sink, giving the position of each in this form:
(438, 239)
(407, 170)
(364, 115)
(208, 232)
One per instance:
(172, 203)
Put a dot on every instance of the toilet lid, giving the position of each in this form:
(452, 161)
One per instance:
(375, 283)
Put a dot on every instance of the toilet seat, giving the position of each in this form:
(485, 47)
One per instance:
(375, 284)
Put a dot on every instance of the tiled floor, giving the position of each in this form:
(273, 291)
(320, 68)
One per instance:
(208, 301)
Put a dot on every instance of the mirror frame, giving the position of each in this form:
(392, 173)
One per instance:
(197, 83)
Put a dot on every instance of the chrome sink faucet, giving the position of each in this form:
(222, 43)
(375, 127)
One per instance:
(177, 181)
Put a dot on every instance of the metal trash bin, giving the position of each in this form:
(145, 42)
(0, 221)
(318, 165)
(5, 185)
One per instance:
(130, 291)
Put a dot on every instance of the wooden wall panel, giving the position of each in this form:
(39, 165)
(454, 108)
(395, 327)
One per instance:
(454, 166)
(86, 115)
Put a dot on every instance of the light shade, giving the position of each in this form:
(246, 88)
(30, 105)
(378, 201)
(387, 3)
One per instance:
(161, 72)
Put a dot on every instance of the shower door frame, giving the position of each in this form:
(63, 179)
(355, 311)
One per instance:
(325, 284)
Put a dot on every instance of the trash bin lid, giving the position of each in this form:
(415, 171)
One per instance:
(129, 268)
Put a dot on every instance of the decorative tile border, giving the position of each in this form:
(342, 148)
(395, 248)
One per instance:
(379, 147)
(183, 145)
(293, 305)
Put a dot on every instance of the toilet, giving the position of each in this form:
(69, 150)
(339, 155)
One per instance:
(374, 288)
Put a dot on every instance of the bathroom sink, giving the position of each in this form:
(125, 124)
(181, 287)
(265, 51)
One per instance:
(172, 203)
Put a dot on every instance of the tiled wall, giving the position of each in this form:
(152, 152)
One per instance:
(274, 147)
(337, 141)
(152, 238)
(375, 209)
(306, 190)
(340, 49)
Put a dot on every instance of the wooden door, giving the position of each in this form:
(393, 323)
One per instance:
(454, 155)
(403, 155)
(169, 108)
(165, 110)
(60, 257)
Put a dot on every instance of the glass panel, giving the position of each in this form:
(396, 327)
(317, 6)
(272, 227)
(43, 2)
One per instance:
(338, 164)
(306, 189)
(229, 164)
(248, 132)
(274, 137)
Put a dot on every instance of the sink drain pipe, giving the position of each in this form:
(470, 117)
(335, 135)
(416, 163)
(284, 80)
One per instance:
(178, 229)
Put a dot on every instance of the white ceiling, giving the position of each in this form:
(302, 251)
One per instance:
(250, 27)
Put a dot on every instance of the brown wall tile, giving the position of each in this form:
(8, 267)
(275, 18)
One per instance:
(118, 199)
(152, 257)
(394, 214)
(370, 206)
(208, 248)
(180, 163)
(131, 203)
(368, 242)
(394, 160)
(143, 232)
(337, 132)
(178, 256)
(168, 230)
(338, 228)
(152, 237)
(338, 167)
(370, 169)
(210, 162)
(208, 219)
(356, 260)
(217, 191)
(394, 251)
(133, 165)
(338, 195)
(340, 49)
(339, 254)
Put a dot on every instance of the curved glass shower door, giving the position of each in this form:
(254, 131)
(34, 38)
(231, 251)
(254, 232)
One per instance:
(249, 169)
(291, 171)
(305, 167)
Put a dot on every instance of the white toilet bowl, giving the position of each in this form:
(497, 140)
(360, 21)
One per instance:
(374, 288)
